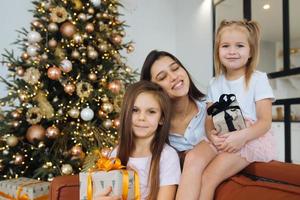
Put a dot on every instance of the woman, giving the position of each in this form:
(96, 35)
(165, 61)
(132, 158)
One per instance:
(187, 117)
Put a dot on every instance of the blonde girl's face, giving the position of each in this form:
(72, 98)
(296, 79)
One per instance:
(146, 116)
(234, 50)
(170, 76)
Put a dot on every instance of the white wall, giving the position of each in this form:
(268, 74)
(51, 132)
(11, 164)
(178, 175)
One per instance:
(182, 28)
(14, 15)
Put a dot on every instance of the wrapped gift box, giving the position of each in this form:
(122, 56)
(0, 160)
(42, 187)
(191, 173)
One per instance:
(227, 115)
(102, 180)
(16, 188)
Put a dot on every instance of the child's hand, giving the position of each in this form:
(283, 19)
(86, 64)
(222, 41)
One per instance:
(215, 138)
(105, 193)
(234, 141)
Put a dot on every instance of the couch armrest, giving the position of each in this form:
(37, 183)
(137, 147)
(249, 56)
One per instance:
(275, 170)
(65, 188)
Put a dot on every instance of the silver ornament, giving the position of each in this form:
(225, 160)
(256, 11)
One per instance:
(32, 50)
(66, 65)
(87, 114)
(66, 169)
(34, 37)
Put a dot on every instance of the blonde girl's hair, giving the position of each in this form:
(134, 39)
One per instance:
(126, 137)
(251, 28)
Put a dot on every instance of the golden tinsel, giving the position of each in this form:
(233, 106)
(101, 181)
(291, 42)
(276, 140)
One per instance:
(83, 89)
(118, 102)
(32, 75)
(33, 115)
(58, 14)
(46, 108)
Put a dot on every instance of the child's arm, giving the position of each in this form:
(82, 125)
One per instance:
(236, 140)
(167, 192)
(210, 130)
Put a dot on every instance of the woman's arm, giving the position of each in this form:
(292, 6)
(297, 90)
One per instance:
(167, 192)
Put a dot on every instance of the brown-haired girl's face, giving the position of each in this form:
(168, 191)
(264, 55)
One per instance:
(146, 116)
(234, 49)
(170, 76)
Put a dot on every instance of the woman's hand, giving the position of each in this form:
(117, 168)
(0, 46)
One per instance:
(105, 193)
(233, 142)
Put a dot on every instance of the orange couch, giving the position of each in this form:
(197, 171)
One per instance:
(274, 181)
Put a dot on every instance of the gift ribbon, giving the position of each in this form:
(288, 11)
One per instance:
(224, 104)
(108, 164)
(24, 196)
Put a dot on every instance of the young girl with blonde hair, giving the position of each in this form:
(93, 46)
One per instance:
(223, 155)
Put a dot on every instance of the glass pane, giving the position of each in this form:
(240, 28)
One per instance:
(286, 87)
(268, 13)
(229, 10)
(295, 138)
(277, 113)
(294, 6)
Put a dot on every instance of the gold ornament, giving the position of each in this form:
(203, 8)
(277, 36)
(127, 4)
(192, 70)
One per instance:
(82, 17)
(130, 48)
(77, 38)
(59, 52)
(44, 105)
(52, 132)
(41, 144)
(19, 159)
(66, 169)
(12, 141)
(107, 107)
(103, 47)
(67, 29)
(37, 24)
(23, 96)
(103, 82)
(92, 76)
(116, 122)
(20, 71)
(15, 124)
(104, 99)
(24, 56)
(52, 43)
(115, 86)
(77, 4)
(84, 89)
(117, 39)
(102, 114)
(32, 76)
(91, 11)
(52, 27)
(44, 56)
(90, 28)
(76, 150)
(83, 60)
(35, 133)
(107, 123)
(75, 54)
(74, 113)
(33, 115)
(54, 73)
(58, 14)
(16, 114)
(93, 54)
(69, 88)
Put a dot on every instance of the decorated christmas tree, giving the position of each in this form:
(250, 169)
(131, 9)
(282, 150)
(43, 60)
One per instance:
(64, 90)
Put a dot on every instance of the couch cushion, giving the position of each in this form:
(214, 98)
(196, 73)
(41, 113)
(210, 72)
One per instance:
(241, 187)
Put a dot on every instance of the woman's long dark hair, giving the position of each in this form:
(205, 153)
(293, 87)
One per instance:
(126, 139)
(154, 55)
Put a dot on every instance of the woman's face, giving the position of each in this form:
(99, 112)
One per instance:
(170, 76)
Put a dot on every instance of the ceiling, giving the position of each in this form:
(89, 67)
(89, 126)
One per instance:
(270, 20)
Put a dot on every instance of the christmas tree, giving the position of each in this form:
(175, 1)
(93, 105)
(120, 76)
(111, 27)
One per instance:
(65, 90)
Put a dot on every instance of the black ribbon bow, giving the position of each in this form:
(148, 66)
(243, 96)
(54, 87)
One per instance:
(224, 104)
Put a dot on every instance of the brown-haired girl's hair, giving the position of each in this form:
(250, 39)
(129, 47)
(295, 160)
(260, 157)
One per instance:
(252, 30)
(153, 56)
(126, 139)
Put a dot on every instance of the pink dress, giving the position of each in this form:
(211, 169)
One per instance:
(262, 149)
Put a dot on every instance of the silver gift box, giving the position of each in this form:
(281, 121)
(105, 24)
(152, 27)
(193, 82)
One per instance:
(32, 187)
(102, 180)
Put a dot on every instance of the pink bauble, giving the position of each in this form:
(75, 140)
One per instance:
(54, 73)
